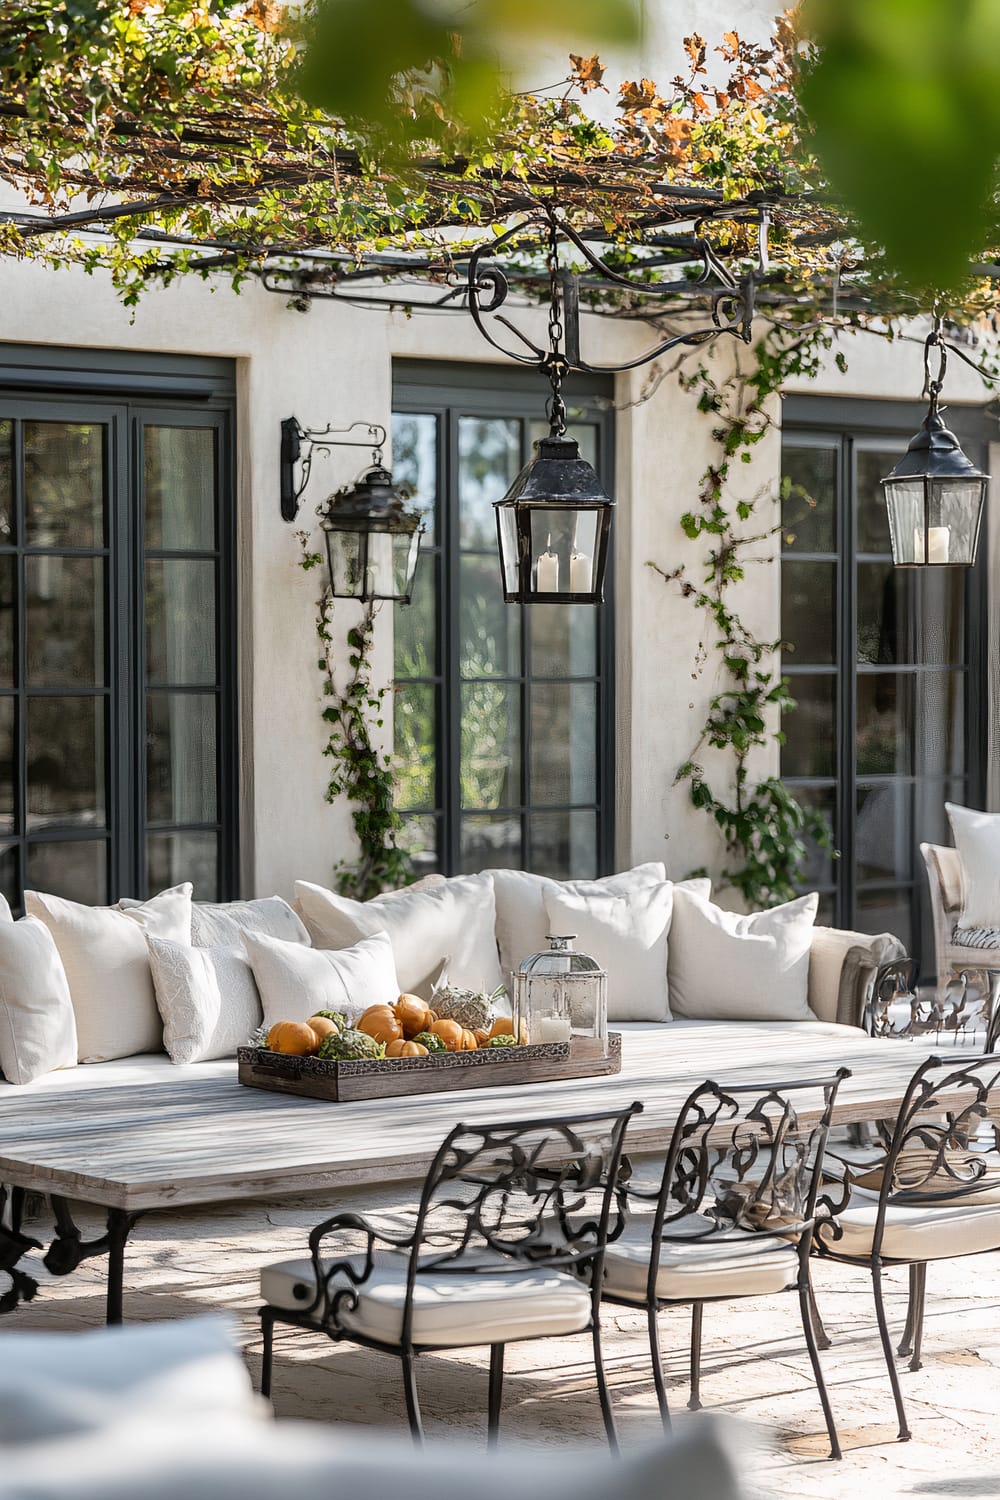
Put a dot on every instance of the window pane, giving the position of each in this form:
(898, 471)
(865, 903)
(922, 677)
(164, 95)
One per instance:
(810, 748)
(7, 763)
(809, 611)
(886, 911)
(490, 842)
(414, 464)
(489, 456)
(180, 758)
(491, 745)
(564, 844)
(885, 725)
(180, 622)
(10, 885)
(812, 472)
(873, 464)
(884, 841)
(563, 743)
(66, 775)
(6, 481)
(563, 641)
(173, 857)
(489, 629)
(414, 631)
(415, 731)
(75, 869)
(63, 484)
(910, 616)
(818, 867)
(583, 433)
(940, 724)
(419, 837)
(64, 613)
(8, 588)
(179, 476)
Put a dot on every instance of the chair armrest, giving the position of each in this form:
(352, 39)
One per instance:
(842, 966)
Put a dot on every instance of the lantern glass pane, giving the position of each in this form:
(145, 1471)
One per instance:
(955, 508)
(904, 500)
(508, 548)
(345, 553)
(405, 550)
(564, 549)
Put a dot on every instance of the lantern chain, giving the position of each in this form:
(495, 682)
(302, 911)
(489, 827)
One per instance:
(555, 361)
(935, 340)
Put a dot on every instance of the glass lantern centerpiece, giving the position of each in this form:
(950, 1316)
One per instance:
(562, 996)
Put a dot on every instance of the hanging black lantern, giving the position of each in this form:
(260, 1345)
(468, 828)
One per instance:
(935, 494)
(372, 540)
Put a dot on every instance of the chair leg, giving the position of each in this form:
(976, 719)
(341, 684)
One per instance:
(823, 1340)
(267, 1330)
(883, 1331)
(694, 1398)
(807, 1307)
(657, 1363)
(607, 1412)
(905, 1345)
(918, 1320)
(412, 1404)
(496, 1394)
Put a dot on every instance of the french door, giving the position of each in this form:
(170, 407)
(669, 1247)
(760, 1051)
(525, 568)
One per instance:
(117, 754)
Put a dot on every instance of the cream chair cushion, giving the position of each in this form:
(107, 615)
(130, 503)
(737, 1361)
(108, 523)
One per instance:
(452, 1309)
(977, 839)
(916, 1231)
(730, 1263)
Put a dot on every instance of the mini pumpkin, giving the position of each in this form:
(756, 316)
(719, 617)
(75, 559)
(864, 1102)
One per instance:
(413, 1014)
(295, 1038)
(323, 1026)
(450, 1033)
(379, 1022)
(403, 1048)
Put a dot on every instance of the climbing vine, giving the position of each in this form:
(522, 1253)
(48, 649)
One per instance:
(359, 770)
(764, 829)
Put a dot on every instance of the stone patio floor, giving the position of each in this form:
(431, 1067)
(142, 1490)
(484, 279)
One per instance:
(755, 1367)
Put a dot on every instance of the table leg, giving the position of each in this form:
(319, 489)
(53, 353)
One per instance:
(68, 1250)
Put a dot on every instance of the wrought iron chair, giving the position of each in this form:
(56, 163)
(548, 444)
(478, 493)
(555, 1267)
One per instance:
(936, 1196)
(507, 1243)
(734, 1215)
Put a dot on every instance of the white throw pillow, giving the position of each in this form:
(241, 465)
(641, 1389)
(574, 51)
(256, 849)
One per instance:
(453, 923)
(6, 915)
(54, 1384)
(295, 982)
(107, 965)
(727, 967)
(522, 925)
(221, 924)
(37, 1025)
(627, 935)
(206, 997)
(977, 839)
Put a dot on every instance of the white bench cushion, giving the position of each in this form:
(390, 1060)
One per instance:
(916, 1231)
(457, 1310)
(736, 1263)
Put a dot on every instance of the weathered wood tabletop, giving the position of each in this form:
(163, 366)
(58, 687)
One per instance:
(194, 1135)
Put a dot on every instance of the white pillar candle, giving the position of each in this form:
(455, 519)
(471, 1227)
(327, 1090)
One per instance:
(550, 1029)
(581, 574)
(547, 574)
(938, 538)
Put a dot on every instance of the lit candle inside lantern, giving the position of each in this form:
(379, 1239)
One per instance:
(581, 574)
(547, 571)
(550, 1029)
(937, 544)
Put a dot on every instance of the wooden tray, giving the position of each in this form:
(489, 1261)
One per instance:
(343, 1082)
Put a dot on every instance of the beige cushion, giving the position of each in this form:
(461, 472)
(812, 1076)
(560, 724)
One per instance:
(521, 923)
(450, 924)
(841, 966)
(977, 839)
(37, 1025)
(458, 1311)
(727, 967)
(206, 997)
(107, 965)
(730, 1263)
(916, 1231)
(295, 982)
(6, 915)
(627, 935)
(222, 924)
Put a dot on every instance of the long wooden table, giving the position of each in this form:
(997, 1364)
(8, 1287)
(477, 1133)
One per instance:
(143, 1135)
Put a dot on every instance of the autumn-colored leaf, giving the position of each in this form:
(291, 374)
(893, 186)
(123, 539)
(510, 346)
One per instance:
(730, 48)
(265, 14)
(588, 72)
(721, 99)
(701, 104)
(752, 89)
(694, 46)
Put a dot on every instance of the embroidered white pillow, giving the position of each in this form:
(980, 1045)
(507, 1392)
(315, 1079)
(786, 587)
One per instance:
(727, 967)
(977, 839)
(37, 1025)
(107, 965)
(627, 935)
(222, 924)
(295, 982)
(207, 999)
(454, 923)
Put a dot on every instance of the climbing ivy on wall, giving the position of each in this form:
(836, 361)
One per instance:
(359, 770)
(764, 829)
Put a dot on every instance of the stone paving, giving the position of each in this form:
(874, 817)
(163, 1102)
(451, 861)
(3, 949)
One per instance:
(755, 1367)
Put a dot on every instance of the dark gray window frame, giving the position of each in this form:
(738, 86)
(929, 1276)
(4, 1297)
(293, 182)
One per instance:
(495, 391)
(126, 390)
(848, 419)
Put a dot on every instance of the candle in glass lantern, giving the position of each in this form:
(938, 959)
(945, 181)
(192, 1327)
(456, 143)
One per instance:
(547, 571)
(580, 573)
(937, 544)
